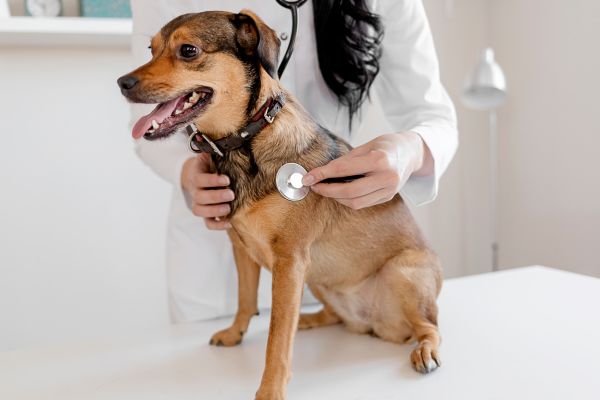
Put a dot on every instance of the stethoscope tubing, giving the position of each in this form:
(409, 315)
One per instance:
(293, 7)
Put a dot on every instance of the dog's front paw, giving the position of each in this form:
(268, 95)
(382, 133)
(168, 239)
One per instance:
(227, 337)
(425, 358)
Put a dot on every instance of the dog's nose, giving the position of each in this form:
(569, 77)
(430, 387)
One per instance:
(127, 82)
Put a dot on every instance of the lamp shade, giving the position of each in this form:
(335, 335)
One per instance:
(485, 87)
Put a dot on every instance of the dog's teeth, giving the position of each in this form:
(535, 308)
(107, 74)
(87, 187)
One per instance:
(177, 112)
(194, 96)
(151, 130)
(155, 124)
(186, 105)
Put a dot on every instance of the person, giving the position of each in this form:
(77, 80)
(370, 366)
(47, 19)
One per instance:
(357, 64)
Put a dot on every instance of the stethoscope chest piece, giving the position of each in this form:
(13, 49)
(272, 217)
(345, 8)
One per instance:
(289, 182)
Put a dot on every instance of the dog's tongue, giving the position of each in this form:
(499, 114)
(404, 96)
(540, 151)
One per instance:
(160, 113)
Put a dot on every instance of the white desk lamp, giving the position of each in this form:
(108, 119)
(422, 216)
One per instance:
(485, 89)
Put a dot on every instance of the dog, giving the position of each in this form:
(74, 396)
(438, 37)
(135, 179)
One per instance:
(371, 268)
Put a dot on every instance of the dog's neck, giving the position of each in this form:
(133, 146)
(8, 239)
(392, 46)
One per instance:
(252, 168)
(292, 130)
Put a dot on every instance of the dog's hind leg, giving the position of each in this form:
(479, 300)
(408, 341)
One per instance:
(425, 357)
(248, 276)
(324, 317)
(414, 280)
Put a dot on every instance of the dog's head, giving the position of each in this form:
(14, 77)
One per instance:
(205, 68)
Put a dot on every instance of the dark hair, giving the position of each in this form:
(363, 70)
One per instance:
(349, 47)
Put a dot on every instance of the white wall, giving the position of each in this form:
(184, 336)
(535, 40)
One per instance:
(549, 197)
(549, 132)
(457, 223)
(81, 220)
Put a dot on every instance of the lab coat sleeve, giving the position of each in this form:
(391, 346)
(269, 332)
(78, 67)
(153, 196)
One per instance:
(410, 92)
(165, 157)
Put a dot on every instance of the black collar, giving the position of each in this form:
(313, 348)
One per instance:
(201, 143)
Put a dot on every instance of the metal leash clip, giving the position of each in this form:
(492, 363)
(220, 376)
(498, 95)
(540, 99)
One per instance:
(193, 131)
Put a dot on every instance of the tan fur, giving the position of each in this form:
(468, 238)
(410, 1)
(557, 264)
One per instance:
(371, 268)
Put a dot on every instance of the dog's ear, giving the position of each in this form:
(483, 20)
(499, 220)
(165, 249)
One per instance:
(256, 38)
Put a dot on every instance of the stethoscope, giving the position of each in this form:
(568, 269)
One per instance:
(289, 176)
(293, 7)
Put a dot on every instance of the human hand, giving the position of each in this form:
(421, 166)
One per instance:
(386, 161)
(208, 202)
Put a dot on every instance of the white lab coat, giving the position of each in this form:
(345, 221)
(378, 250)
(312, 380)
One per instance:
(406, 95)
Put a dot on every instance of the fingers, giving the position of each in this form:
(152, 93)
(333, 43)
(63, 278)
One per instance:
(211, 211)
(203, 180)
(347, 165)
(203, 162)
(209, 192)
(215, 225)
(357, 188)
(371, 199)
(215, 196)
(341, 167)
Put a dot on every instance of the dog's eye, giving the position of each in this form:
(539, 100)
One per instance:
(188, 51)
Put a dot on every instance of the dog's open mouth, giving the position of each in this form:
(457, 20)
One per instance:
(167, 117)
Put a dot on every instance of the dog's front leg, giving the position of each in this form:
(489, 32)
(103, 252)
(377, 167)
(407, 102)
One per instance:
(248, 276)
(288, 281)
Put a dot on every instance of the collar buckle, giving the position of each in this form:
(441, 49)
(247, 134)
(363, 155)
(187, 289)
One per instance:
(238, 139)
(269, 118)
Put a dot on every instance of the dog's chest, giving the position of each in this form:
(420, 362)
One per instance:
(248, 181)
(258, 226)
(256, 246)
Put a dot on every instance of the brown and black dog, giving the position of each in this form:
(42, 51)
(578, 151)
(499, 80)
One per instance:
(371, 268)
